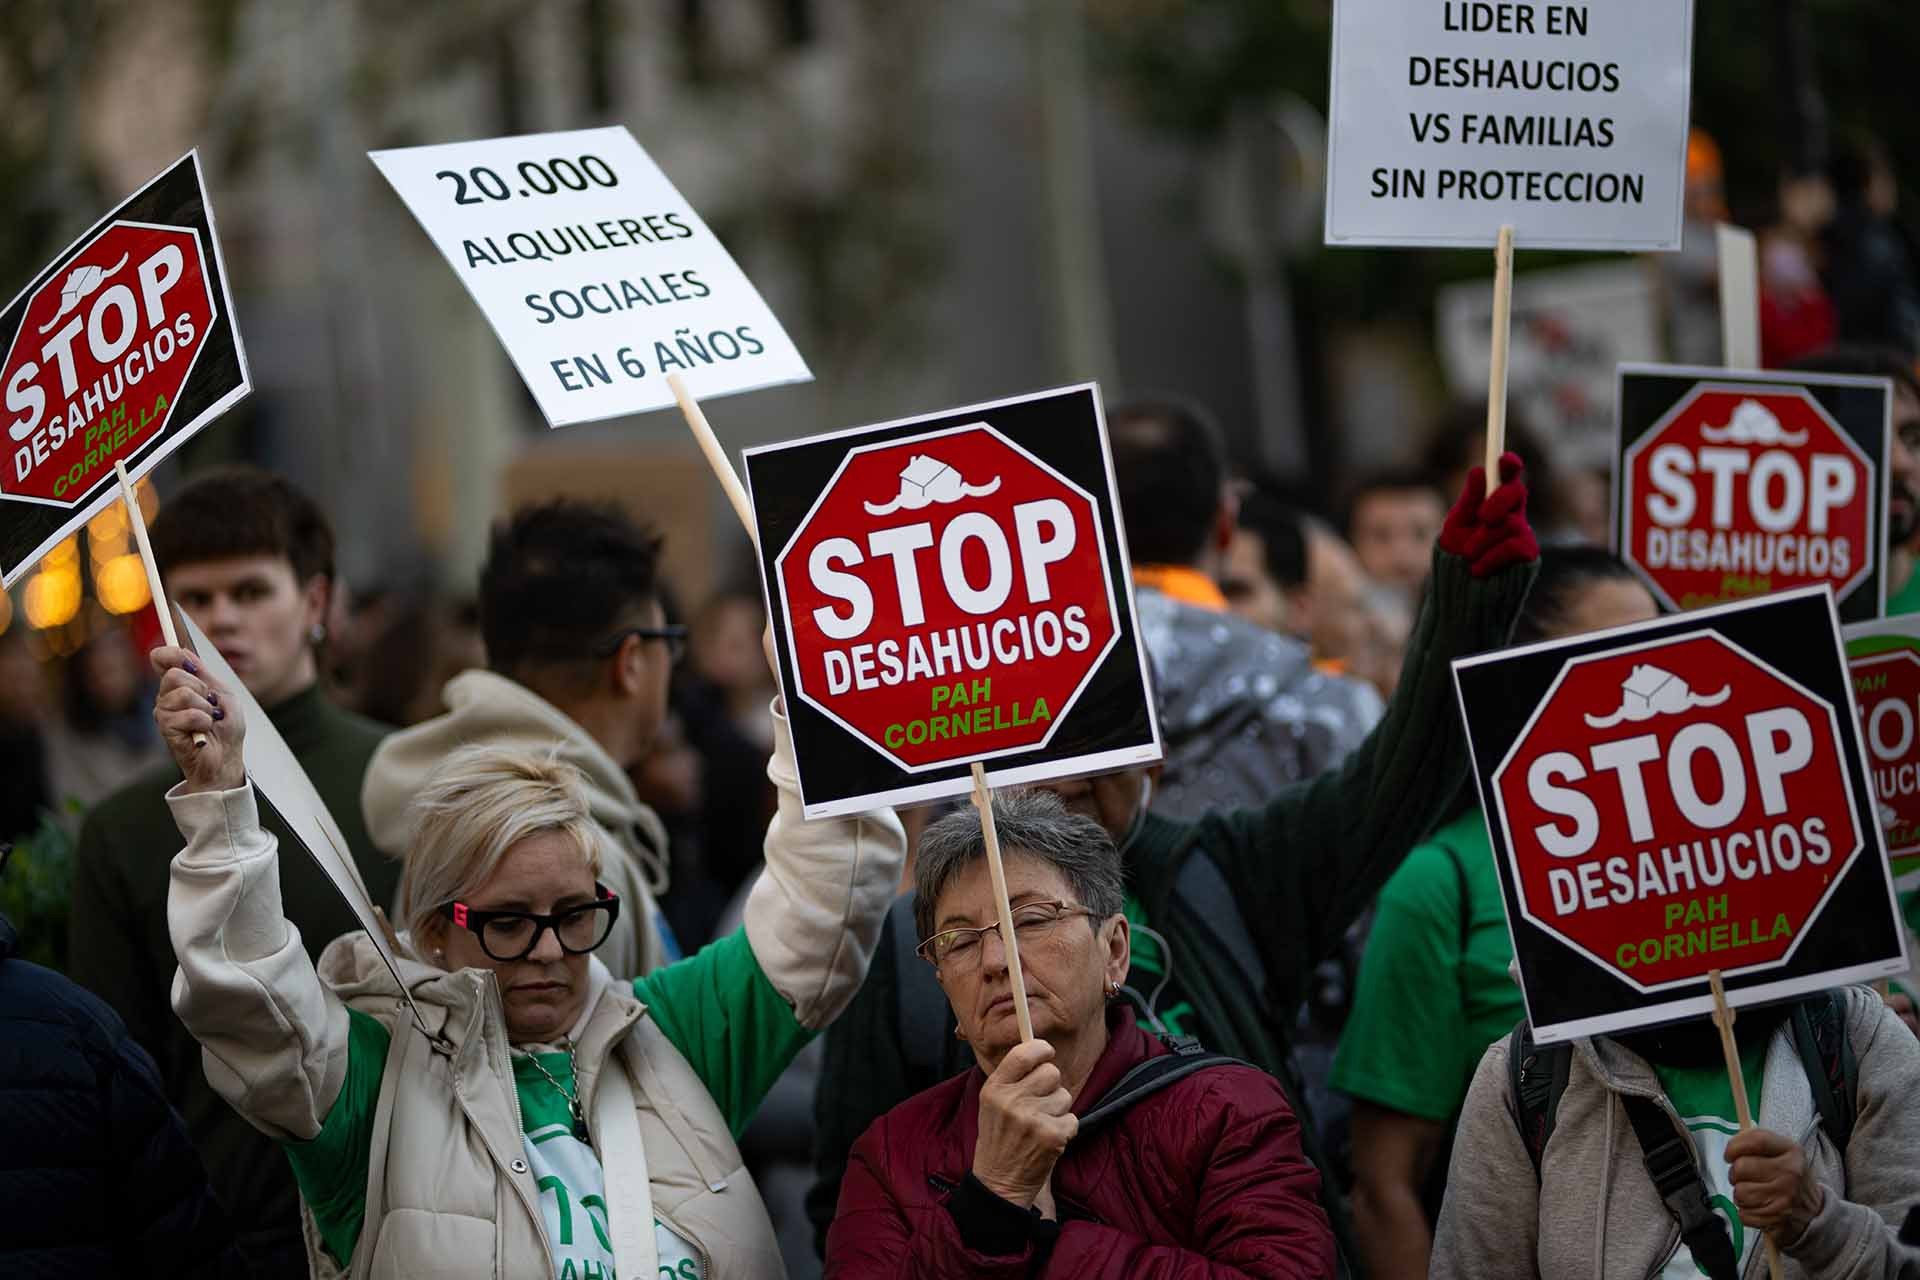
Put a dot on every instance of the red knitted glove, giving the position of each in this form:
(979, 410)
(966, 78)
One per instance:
(1490, 531)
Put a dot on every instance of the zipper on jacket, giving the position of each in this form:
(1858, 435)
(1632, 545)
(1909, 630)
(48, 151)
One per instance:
(1674, 1237)
(532, 1204)
(706, 1259)
(1673, 1247)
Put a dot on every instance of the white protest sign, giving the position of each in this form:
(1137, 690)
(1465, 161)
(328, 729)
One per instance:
(597, 275)
(1452, 117)
(276, 774)
(1572, 328)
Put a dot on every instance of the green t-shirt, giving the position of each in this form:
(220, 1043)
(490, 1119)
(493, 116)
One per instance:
(573, 1183)
(1704, 1098)
(1425, 1009)
(716, 1007)
(1907, 598)
(1147, 973)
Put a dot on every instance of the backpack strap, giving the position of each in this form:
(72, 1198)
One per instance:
(1669, 1158)
(1819, 1028)
(1536, 1078)
(1151, 1076)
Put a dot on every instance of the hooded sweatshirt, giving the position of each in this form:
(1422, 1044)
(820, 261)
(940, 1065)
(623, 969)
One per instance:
(1595, 1212)
(490, 708)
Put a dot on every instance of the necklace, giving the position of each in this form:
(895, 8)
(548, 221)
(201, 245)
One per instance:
(571, 1095)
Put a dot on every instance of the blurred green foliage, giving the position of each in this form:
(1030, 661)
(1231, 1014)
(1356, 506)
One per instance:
(36, 891)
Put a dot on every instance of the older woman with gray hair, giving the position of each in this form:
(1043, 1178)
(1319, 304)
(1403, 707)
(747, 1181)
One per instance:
(541, 1119)
(1094, 1150)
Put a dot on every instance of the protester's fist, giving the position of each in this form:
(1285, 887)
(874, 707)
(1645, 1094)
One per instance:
(1902, 1003)
(1026, 1121)
(1490, 530)
(1773, 1184)
(190, 703)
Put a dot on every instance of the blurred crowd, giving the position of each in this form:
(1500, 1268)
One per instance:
(1283, 627)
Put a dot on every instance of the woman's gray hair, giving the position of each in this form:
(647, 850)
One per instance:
(1033, 824)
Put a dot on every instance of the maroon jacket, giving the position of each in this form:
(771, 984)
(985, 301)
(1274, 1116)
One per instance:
(1203, 1178)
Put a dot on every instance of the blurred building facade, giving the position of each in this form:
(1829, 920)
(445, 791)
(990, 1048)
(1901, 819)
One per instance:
(942, 203)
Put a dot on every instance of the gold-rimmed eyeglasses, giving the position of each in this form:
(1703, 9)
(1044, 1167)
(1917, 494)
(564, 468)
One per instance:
(960, 949)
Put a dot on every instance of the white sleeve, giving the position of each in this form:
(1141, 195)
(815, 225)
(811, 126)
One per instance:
(272, 1036)
(816, 911)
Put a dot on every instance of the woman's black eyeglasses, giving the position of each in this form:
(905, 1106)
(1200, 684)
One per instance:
(512, 935)
(673, 633)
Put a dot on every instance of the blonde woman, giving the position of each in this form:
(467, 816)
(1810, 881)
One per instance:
(545, 1119)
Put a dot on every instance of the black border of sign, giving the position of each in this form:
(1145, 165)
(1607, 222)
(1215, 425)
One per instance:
(1626, 1009)
(816, 737)
(63, 521)
(1870, 594)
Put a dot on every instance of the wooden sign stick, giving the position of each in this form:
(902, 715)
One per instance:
(982, 795)
(1739, 297)
(983, 801)
(1723, 1019)
(160, 606)
(1497, 367)
(716, 456)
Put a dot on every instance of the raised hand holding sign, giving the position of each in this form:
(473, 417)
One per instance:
(202, 729)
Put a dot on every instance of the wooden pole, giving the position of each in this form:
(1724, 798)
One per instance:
(1497, 367)
(1739, 298)
(1723, 1019)
(160, 605)
(982, 795)
(983, 801)
(716, 456)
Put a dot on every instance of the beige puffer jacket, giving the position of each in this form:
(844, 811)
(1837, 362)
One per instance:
(449, 1192)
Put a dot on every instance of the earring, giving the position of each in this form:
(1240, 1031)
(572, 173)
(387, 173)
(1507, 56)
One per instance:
(1113, 991)
(317, 634)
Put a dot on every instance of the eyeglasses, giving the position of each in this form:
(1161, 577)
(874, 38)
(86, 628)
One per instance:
(674, 634)
(512, 935)
(960, 949)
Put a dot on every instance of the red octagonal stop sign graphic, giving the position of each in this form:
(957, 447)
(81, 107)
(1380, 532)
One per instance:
(1886, 694)
(1677, 807)
(947, 597)
(101, 354)
(1742, 490)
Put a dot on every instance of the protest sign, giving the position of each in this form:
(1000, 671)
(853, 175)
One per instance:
(596, 274)
(949, 589)
(276, 775)
(1884, 659)
(117, 351)
(1738, 484)
(1572, 328)
(1452, 118)
(1677, 798)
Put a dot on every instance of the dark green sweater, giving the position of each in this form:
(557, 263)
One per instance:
(1301, 869)
(121, 950)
